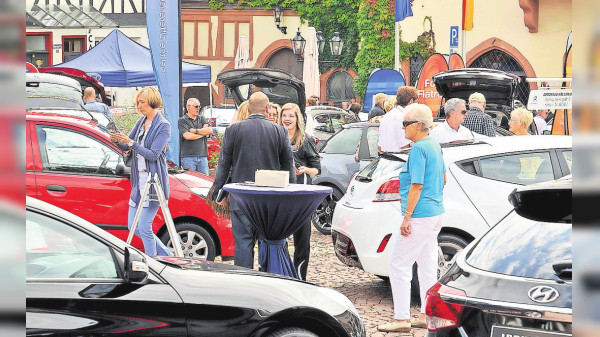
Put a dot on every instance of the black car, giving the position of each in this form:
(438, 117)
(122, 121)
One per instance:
(516, 279)
(82, 281)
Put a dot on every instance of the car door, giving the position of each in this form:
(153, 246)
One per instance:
(78, 173)
(487, 181)
(75, 287)
(368, 149)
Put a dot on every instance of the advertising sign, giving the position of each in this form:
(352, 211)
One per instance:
(550, 99)
(90, 40)
(455, 62)
(453, 36)
(163, 25)
(30, 68)
(428, 94)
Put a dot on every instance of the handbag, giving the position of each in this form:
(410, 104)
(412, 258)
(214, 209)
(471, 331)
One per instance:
(220, 203)
(127, 157)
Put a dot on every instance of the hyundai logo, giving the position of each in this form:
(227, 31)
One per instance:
(543, 294)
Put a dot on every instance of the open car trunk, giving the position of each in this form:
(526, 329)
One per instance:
(497, 86)
(280, 86)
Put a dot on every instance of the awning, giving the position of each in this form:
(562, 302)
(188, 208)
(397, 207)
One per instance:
(67, 16)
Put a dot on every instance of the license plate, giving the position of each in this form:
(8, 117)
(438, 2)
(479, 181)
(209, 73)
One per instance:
(509, 331)
(341, 244)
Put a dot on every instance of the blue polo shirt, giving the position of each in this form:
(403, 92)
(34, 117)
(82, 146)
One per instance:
(425, 166)
(100, 107)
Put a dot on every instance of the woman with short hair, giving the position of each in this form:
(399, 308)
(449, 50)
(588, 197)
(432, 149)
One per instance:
(422, 181)
(147, 142)
(520, 119)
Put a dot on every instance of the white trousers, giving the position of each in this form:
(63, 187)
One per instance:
(420, 246)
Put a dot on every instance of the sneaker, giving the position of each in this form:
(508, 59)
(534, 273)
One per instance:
(418, 323)
(395, 326)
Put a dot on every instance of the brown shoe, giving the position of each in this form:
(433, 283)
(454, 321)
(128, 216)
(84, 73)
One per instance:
(395, 326)
(418, 323)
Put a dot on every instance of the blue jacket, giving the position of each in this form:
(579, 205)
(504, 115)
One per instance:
(154, 151)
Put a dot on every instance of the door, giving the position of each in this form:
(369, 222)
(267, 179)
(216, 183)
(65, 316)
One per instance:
(75, 287)
(78, 174)
(488, 181)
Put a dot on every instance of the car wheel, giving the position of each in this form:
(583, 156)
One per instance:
(321, 218)
(291, 332)
(449, 245)
(195, 241)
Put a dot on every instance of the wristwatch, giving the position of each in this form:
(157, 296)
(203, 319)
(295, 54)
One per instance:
(130, 144)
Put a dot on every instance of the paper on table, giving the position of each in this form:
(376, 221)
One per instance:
(272, 178)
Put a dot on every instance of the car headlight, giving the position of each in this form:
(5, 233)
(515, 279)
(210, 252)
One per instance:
(202, 192)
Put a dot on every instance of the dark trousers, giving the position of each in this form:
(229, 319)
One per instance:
(244, 237)
(302, 249)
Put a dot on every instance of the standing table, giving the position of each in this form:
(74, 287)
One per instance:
(276, 213)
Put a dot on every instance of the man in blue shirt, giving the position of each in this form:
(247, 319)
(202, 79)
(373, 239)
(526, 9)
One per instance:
(89, 96)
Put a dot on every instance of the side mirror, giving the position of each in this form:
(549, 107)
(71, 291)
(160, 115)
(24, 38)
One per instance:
(122, 170)
(136, 269)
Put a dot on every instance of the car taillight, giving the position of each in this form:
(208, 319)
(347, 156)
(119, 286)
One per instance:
(384, 243)
(388, 191)
(441, 314)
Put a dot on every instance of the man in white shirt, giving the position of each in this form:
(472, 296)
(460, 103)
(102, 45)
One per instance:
(540, 121)
(452, 130)
(391, 133)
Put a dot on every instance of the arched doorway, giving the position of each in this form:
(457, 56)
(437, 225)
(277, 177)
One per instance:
(340, 87)
(497, 59)
(285, 59)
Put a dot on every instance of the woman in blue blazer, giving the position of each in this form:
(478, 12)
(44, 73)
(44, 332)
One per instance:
(147, 142)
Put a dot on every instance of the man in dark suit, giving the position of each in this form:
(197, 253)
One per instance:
(250, 145)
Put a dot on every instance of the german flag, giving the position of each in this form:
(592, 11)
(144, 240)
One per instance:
(467, 15)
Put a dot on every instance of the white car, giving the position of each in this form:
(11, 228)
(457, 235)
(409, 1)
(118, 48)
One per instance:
(480, 176)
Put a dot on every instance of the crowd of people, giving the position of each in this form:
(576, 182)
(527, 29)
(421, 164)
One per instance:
(285, 145)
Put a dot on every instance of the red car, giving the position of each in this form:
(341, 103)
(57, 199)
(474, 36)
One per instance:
(71, 163)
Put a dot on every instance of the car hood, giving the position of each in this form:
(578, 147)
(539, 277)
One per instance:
(498, 87)
(196, 182)
(266, 79)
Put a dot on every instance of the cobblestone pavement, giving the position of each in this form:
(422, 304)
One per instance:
(371, 296)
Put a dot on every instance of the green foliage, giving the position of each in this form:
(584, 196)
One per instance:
(127, 121)
(213, 159)
(366, 26)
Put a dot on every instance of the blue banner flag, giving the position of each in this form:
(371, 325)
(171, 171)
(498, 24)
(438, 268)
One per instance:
(162, 20)
(403, 10)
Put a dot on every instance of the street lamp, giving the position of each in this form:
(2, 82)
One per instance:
(298, 43)
(320, 42)
(277, 16)
(336, 44)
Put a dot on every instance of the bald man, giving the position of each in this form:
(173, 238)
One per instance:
(89, 97)
(249, 145)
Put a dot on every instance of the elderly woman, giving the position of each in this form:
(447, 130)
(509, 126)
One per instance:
(520, 119)
(422, 181)
(147, 142)
(308, 165)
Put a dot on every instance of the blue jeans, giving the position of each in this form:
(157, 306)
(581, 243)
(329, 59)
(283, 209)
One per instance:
(152, 244)
(244, 238)
(198, 164)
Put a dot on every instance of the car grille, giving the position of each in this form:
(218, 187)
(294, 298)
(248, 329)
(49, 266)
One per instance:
(344, 250)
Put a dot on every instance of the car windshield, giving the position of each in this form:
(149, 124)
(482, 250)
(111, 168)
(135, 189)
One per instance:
(52, 90)
(382, 166)
(526, 248)
(344, 142)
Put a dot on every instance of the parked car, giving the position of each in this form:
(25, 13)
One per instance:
(340, 161)
(516, 280)
(497, 86)
(58, 94)
(82, 281)
(480, 175)
(219, 116)
(82, 77)
(71, 163)
(328, 120)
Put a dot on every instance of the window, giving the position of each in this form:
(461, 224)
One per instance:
(522, 169)
(372, 139)
(336, 122)
(340, 87)
(68, 151)
(568, 156)
(322, 123)
(57, 250)
(344, 142)
(73, 47)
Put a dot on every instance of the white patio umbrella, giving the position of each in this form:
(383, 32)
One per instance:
(310, 73)
(242, 55)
